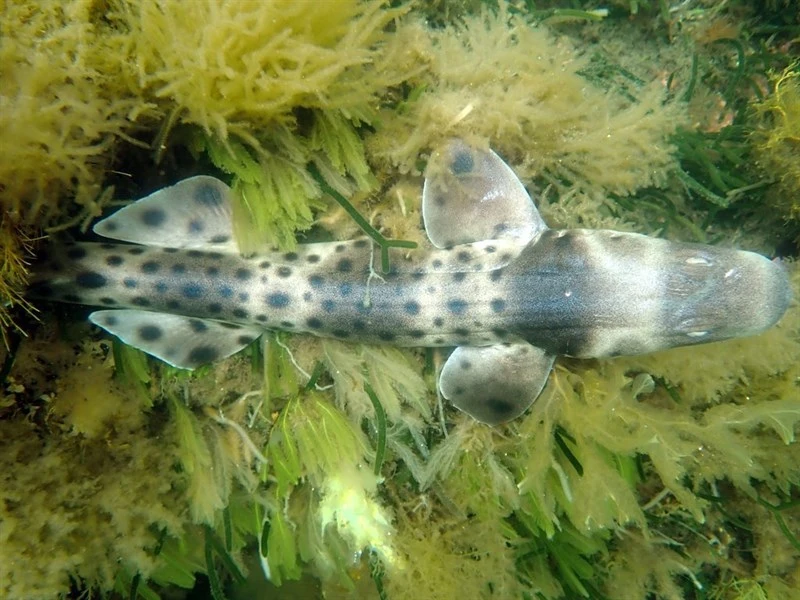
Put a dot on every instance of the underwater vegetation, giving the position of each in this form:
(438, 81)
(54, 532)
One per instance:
(332, 468)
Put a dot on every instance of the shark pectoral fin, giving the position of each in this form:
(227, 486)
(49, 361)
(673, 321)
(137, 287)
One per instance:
(183, 342)
(494, 384)
(471, 195)
(194, 213)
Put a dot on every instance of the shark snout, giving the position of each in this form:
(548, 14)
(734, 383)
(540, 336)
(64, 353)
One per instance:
(734, 293)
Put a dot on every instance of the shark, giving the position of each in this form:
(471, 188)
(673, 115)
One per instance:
(495, 283)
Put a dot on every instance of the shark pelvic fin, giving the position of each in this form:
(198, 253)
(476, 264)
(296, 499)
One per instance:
(471, 195)
(495, 384)
(194, 213)
(183, 342)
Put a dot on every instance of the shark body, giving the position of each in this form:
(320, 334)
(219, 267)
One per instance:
(506, 291)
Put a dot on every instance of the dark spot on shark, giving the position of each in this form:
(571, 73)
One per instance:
(490, 249)
(140, 301)
(440, 200)
(198, 326)
(261, 318)
(245, 339)
(339, 248)
(463, 256)
(76, 253)
(496, 274)
(315, 281)
(312, 258)
(72, 298)
(215, 308)
(208, 195)
(41, 290)
(161, 287)
(328, 305)
(416, 333)
(345, 289)
(194, 253)
(192, 291)
(462, 163)
(150, 333)
(501, 408)
(203, 354)
(465, 365)
(173, 304)
(179, 269)
(196, 226)
(226, 291)
(214, 255)
(150, 267)
(278, 300)
(153, 217)
(411, 307)
(500, 228)
(286, 324)
(264, 264)
(307, 296)
(239, 313)
(219, 239)
(359, 325)
(169, 250)
(107, 301)
(111, 320)
(462, 332)
(110, 226)
(136, 251)
(457, 306)
(229, 325)
(459, 277)
(114, 260)
(340, 333)
(284, 272)
(386, 336)
(361, 243)
(291, 256)
(243, 296)
(90, 279)
(498, 305)
(212, 271)
(314, 323)
(418, 275)
(436, 264)
(345, 265)
(243, 274)
(438, 322)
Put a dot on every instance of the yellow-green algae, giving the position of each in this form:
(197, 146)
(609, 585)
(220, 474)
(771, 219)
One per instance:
(644, 475)
(777, 143)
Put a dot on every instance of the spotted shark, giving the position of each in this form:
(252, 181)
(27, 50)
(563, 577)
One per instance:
(495, 282)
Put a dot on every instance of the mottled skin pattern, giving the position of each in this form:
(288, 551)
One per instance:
(564, 293)
(446, 298)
